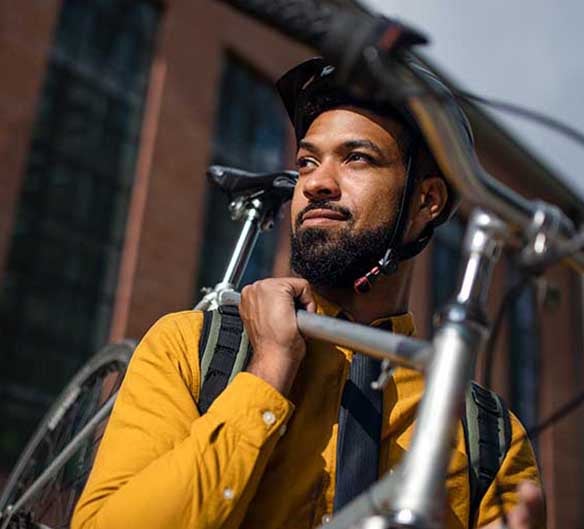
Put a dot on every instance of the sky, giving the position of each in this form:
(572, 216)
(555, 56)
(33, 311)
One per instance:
(526, 52)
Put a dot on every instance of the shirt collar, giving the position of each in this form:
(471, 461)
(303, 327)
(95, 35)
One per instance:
(399, 324)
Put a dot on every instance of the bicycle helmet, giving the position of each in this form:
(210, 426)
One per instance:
(311, 88)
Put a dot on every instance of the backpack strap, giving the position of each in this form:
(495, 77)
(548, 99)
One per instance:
(224, 351)
(487, 432)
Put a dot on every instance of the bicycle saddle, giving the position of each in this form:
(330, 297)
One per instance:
(237, 182)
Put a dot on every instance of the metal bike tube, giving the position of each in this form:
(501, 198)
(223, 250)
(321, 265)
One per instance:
(242, 251)
(384, 345)
(419, 501)
(246, 242)
(400, 350)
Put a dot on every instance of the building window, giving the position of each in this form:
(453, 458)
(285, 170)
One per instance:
(446, 262)
(250, 133)
(524, 356)
(58, 289)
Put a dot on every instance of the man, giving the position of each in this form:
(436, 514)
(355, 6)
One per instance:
(273, 449)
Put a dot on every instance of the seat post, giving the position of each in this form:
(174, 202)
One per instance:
(246, 242)
(256, 199)
(255, 213)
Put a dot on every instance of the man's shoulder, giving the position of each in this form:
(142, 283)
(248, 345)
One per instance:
(183, 323)
(174, 336)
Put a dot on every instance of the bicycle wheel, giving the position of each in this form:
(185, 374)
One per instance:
(53, 468)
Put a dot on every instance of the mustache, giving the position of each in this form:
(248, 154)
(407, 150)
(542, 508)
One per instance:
(322, 204)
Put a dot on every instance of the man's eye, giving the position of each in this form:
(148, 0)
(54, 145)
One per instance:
(303, 163)
(360, 157)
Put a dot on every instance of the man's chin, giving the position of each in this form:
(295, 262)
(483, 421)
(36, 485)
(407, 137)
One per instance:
(336, 257)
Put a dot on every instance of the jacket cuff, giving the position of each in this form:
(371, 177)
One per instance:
(253, 407)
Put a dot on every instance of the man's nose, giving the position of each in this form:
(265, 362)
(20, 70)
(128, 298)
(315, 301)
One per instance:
(322, 182)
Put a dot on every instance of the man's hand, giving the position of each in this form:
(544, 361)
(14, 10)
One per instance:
(528, 513)
(268, 312)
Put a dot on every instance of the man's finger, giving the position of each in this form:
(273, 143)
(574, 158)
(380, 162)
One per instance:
(531, 496)
(303, 294)
(528, 513)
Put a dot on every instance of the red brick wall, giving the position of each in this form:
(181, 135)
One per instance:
(194, 36)
(562, 378)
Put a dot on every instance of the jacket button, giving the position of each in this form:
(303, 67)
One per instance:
(228, 493)
(326, 518)
(269, 418)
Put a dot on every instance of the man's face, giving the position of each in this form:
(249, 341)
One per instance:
(345, 204)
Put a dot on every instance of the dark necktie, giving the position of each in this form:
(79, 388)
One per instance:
(359, 436)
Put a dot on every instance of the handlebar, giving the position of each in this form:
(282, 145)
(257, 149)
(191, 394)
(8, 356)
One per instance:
(369, 52)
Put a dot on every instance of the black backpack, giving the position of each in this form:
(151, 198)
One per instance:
(224, 351)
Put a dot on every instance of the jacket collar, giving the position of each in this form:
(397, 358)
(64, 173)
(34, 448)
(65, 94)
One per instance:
(399, 324)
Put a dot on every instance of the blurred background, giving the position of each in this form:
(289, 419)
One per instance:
(110, 113)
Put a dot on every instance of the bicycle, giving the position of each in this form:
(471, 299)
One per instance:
(377, 64)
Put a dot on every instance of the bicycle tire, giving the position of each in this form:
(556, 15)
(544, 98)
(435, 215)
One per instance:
(88, 392)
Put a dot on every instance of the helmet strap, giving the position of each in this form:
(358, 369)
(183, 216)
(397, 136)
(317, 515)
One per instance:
(396, 252)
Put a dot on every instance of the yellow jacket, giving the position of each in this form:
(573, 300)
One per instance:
(255, 460)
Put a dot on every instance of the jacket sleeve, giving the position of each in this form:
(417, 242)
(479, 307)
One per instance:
(160, 464)
(518, 465)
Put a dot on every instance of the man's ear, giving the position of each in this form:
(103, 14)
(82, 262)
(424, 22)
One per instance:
(429, 201)
(434, 195)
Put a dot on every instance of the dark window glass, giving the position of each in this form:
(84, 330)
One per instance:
(57, 292)
(446, 261)
(250, 133)
(524, 356)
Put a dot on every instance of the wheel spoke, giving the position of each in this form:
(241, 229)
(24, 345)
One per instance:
(93, 387)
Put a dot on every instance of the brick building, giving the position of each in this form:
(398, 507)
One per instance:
(110, 112)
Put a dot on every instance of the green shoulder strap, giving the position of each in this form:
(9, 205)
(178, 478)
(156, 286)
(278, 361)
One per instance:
(224, 351)
(487, 430)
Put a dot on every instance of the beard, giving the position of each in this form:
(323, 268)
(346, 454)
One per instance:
(336, 258)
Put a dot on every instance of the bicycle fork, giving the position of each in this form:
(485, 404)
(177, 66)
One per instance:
(414, 495)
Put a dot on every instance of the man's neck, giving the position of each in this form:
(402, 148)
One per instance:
(388, 296)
